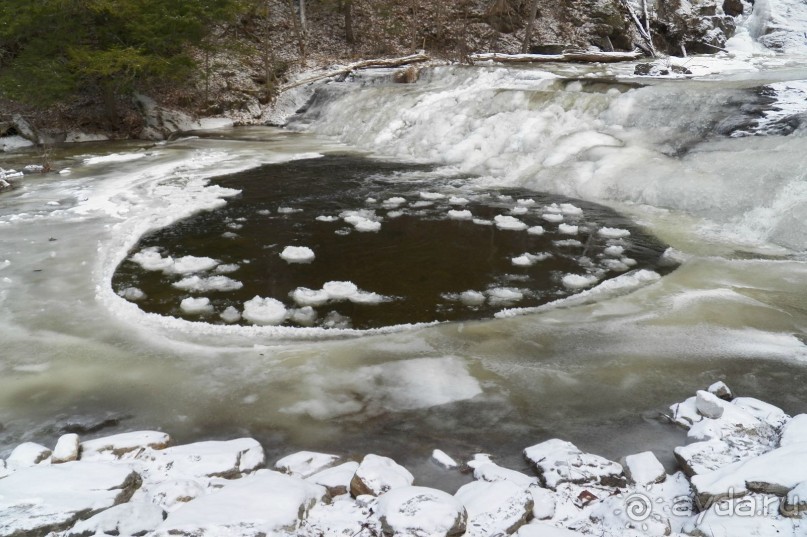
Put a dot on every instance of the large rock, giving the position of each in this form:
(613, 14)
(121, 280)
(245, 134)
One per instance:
(117, 446)
(417, 511)
(27, 454)
(337, 479)
(66, 450)
(751, 515)
(305, 463)
(644, 469)
(486, 470)
(266, 503)
(37, 500)
(794, 431)
(558, 461)
(228, 459)
(699, 26)
(376, 475)
(134, 518)
(495, 508)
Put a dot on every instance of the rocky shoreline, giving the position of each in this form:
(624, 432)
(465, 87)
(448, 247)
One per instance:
(743, 472)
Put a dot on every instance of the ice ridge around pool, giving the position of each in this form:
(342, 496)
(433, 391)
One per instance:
(350, 242)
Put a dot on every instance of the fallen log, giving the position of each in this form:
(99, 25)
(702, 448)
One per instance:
(364, 64)
(582, 56)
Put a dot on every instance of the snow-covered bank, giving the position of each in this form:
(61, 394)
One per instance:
(744, 469)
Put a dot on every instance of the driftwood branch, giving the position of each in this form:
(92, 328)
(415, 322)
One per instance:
(638, 23)
(583, 56)
(364, 64)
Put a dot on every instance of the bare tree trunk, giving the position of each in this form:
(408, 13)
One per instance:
(525, 46)
(303, 20)
(413, 6)
(347, 8)
(299, 31)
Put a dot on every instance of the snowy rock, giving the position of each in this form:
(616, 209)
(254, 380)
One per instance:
(775, 472)
(305, 463)
(755, 515)
(644, 469)
(228, 459)
(499, 507)
(443, 459)
(416, 511)
(685, 413)
(764, 412)
(490, 471)
(66, 450)
(267, 503)
(794, 431)
(705, 430)
(27, 454)
(116, 446)
(543, 502)
(795, 502)
(134, 518)
(376, 475)
(721, 390)
(557, 461)
(341, 517)
(171, 494)
(41, 499)
(708, 405)
(337, 479)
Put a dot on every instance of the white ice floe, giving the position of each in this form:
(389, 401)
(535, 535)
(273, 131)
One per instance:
(509, 223)
(325, 218)
(526, 202)
(432, 196)
(571, 210)
(460, 215)
(394, 202)
(614, 251)
(339, 290)
(504, 295)
(305, 316)
(196, 306)
(133, 293)
(578, 281)
(151, 259)
(517, 211)
(230, 315)
(535, 230)
(264, 311)
(198, 284)
(297, 254)
(567, 229)
(613, 233)
(288, 210)
(364, 220)
(309, 297)
(482, 222)
(457, 200)
(528, 259)
(552, 217)
(227, 268)
(113, 158)
(443, 459)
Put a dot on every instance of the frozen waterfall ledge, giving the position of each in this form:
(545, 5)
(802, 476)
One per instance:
(743, 472)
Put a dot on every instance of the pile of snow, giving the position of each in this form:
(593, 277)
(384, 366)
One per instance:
(264, 311)
(198, 284)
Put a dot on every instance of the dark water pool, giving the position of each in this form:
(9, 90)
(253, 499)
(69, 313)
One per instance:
(400, 234)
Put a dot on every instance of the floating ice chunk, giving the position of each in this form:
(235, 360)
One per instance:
(527, 259)
(396, 201)
(613, 233)
(309, 297)
(113, 157)
(229, 235)
(519, 210)
(227, 268)
(432, 196)
(577, 281)
(553, 209)
(552, 217)
(614, 251)
(535, 230)
(53, 203)
(482, 222)
(288, 210)
(528, 202)
(510, 223)
(340, 290)
(297, 254)
(230, 315)
(628, 261)
(196, 306)
(460, 215)
(324, 218)
(305, 316)
(364, 297)
(150, 259)
(368, 225)
(370, 201)
(235, 225)
(422, 204)
(504, 295)
(338, 321)
(133, 294)
(189, 264)
(615, 265)
(395, 214)
(214, 283)
(567, 229)
(264, 311)
(568, 242)
(472, 298)
(264, 212)
(456, 200)
(571, 210)
(344, 231)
